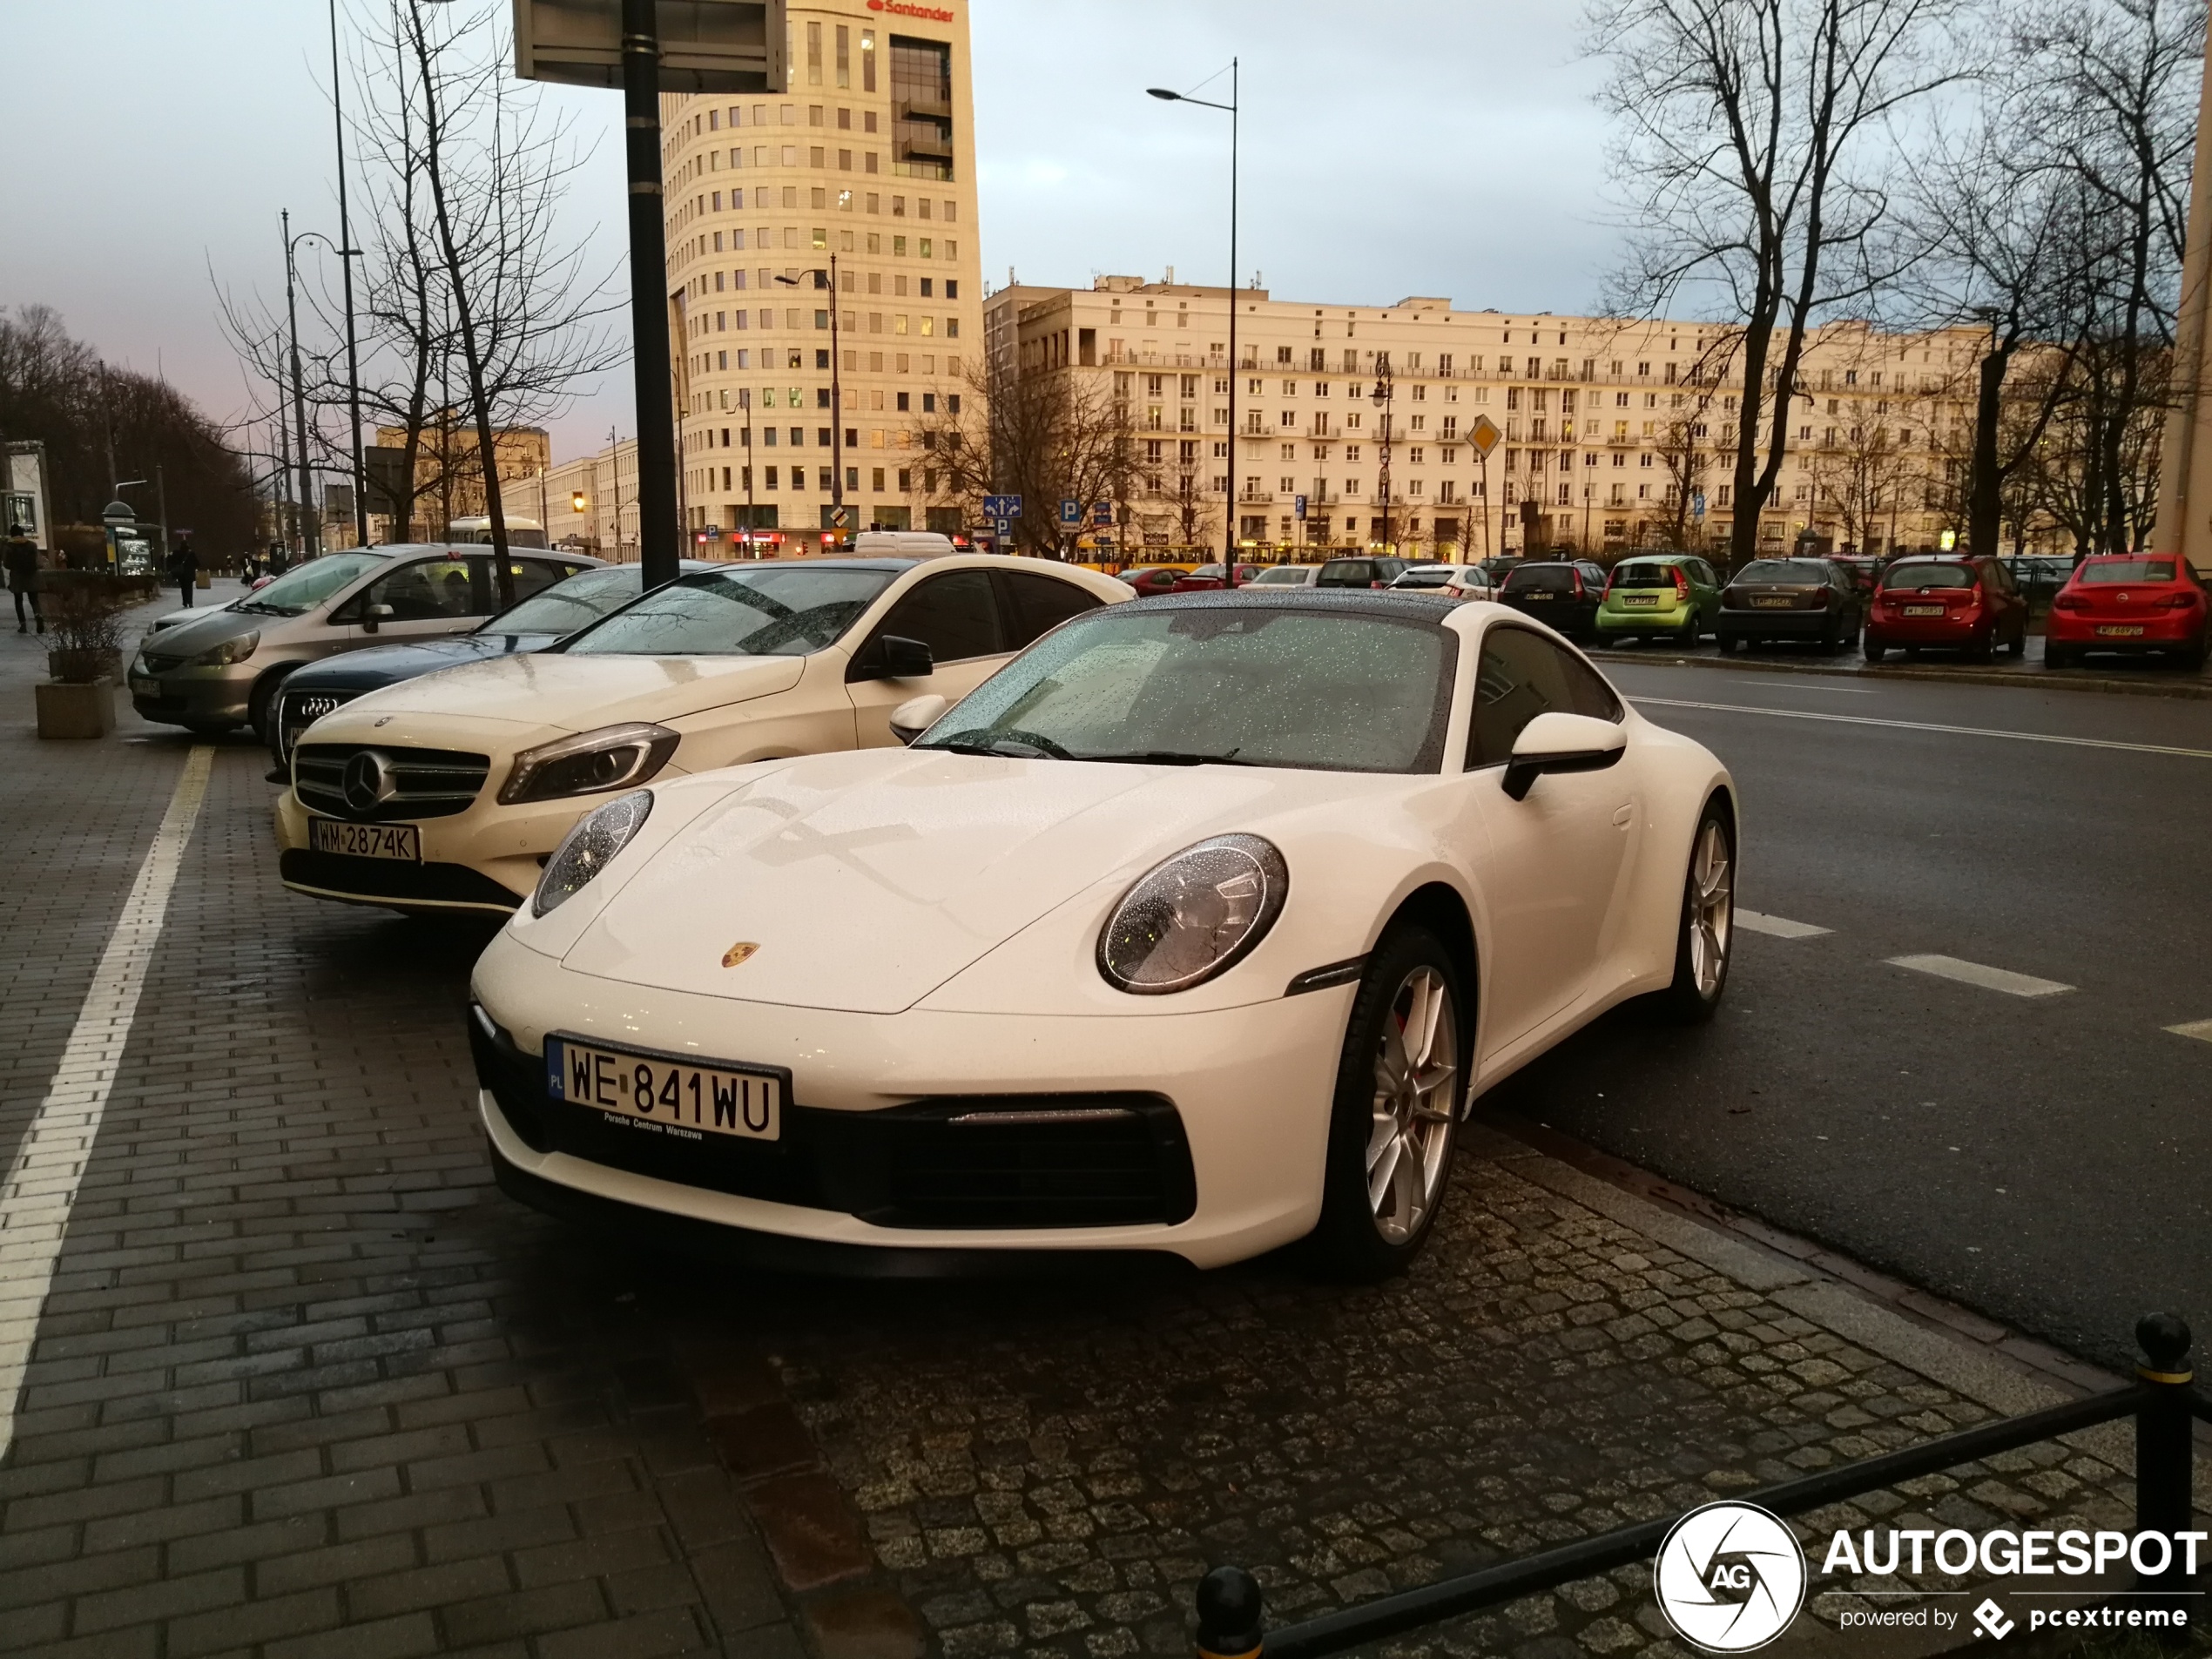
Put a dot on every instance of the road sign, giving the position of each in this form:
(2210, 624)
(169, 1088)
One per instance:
(839, 518)
(1697, 504)
(1483, 434)
(1071, 510)
(1102, 514)
(1297, 507)
(705, 46)
(1005, 526)
(1002, 507)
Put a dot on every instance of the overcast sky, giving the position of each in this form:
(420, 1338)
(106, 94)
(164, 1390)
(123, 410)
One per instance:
(1397, 147)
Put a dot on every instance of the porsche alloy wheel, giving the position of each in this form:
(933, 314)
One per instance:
(1399, 1086)
(1708, 919)
(1417, 1070)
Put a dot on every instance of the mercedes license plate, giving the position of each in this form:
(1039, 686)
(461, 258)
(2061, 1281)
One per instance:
(1923, 610)
(400, 842)
(663, 1095)
(2112, 632)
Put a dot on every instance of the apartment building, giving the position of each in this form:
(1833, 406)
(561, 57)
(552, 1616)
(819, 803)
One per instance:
(824, 270)
(1436, 430)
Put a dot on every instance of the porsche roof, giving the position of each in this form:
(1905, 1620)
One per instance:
(1374, 601)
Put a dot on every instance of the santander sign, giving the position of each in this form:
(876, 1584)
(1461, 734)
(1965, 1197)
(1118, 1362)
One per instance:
(935, 14)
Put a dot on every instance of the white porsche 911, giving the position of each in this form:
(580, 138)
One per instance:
(1193, 930)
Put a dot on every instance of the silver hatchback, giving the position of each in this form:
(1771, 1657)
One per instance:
(223, 669)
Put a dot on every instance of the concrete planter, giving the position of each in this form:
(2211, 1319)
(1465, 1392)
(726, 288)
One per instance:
(81, 711)
(82, 667)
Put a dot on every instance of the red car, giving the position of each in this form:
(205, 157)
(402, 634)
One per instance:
(1207, 578)
(2127, 603)
(1156, 579)
(1946, 605)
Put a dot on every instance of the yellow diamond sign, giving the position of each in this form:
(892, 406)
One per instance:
(1483, 434)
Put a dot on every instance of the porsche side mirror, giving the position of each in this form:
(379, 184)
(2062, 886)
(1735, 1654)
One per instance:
(374, 616)
(916, 715)
(1561, 743)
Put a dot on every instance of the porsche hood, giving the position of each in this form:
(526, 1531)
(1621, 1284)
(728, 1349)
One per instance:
(866, 880)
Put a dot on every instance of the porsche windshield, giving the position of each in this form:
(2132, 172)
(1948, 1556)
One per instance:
(786, 610)
(1247, 685)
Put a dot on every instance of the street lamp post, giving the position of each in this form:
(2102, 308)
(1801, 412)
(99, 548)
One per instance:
(1229, 506)
(310, 540)
(346, 255)
(1385, 389)
(837, 397)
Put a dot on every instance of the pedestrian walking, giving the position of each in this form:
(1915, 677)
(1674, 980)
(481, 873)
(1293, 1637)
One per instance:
(184, 567)
(23, 576)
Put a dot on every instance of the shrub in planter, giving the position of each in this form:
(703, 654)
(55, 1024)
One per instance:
(84, 625)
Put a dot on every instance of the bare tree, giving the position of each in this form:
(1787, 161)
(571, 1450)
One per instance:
(1046, 437)
(1757, 141)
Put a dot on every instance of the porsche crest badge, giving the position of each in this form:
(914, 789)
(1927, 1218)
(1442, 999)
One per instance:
(740, 952)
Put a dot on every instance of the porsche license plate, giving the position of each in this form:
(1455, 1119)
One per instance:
(665, 1095)
(1772, 601)
(400, 842)
(1923, 610)
(2109, 631)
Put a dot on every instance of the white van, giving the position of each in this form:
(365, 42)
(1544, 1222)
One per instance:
(902, 545)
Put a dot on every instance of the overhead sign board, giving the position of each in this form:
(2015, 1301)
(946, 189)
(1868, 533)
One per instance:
(705, 46)
(1002, 507)
(1483, 434)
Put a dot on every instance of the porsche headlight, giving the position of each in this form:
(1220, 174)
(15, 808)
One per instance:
(588, 848)
(613, 757)
(222, 656)
(1194, 915)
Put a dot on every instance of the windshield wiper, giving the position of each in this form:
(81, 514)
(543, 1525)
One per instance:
(1173, 757)
(1024, 746)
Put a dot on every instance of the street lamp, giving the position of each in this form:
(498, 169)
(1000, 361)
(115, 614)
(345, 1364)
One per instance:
(1229, 511)
(1385, 389)
(311, 540)
(346, 255)
(837, 401)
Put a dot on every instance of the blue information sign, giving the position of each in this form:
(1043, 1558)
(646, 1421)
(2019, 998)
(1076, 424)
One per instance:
(1002, 507)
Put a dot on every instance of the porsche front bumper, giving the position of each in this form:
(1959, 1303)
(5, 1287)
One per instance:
(1233, 1106)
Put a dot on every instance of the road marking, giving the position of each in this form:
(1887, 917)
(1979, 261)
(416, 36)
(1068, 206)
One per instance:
(1919, 725)
(1779, 927)
(40, 1187)
(1792, 685)
(1990, 979)
(2201, 1029)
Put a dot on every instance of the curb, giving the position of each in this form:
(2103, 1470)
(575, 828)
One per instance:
(2039, 680)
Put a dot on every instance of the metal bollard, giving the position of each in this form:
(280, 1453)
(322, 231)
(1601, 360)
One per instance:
(1229, 1614)
(2164, 1443)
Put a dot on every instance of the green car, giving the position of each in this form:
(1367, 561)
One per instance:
(1675, 596)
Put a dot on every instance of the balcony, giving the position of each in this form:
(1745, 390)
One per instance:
(922, 109)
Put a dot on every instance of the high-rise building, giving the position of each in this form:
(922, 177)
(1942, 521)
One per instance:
(823, 273)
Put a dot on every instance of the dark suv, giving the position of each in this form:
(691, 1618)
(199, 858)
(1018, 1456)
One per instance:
(1564, 592)
(1360, 573)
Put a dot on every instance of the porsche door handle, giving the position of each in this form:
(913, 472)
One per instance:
(1625, 816)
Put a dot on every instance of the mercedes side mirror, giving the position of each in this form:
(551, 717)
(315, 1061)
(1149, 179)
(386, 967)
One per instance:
(1561, 743)
(374, 616)
(916, 715)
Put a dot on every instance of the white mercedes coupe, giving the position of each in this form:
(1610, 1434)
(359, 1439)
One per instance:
(1194, 930)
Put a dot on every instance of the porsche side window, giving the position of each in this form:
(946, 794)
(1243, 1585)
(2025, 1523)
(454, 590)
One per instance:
(953, 614)
(1521, 675)
(1036, 604)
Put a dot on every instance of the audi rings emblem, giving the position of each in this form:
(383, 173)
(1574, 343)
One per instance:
(368, 781)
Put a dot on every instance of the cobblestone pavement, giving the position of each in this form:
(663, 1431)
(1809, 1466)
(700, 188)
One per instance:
(308, 1385)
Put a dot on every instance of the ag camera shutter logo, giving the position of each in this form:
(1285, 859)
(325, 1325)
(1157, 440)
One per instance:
(1730, 1577)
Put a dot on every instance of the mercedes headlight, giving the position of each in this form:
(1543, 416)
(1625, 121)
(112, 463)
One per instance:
(613, 757)
(588, 848)
(222, 656)
(1194, 915)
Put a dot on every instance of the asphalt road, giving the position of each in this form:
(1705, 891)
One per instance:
(2046, 1158)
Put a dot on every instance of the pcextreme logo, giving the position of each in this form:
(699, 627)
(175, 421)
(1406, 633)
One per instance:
(935, 14)
(1729, 1577)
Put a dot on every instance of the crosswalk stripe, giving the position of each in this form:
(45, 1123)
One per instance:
(1778, 926)
(1990, 979)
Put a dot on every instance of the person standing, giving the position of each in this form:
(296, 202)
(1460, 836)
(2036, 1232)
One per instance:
(23, 576)
(184, 568)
